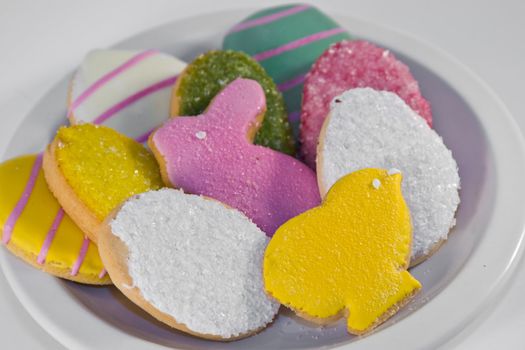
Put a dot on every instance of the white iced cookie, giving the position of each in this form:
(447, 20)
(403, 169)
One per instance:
(191, 262)
(129, 91)
(376, 129)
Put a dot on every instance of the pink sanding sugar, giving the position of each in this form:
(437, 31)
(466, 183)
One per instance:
(352, 64)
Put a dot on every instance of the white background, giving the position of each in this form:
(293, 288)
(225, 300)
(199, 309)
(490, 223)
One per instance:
(41, 41)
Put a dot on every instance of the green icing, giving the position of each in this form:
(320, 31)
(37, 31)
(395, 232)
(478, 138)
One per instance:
(292, 63)
(269, 11)
(282, 31)
(211, 72)
(295, 130)
(292, 98)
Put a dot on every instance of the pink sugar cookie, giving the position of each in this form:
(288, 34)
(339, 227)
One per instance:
(347, 65)
(213, 155)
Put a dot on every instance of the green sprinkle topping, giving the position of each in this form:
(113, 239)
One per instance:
(209, 73)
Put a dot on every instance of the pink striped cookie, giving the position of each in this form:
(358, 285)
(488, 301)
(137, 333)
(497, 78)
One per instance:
(36, 229)
(286, 40)
(213, 155)
(128, 91)
(346, 65)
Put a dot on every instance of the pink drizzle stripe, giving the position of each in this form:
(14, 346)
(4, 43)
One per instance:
(22, 202)
(81, 256)
(49, 237)
(110, 75)
(297, 43)
(102, 273)
(287, 85)
(133, 98)
(268, 19)
(294, 116)
(144, 137)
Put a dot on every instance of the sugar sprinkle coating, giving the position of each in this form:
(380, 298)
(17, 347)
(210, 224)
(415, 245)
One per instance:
(196, 260)
(104, 167)
(209, 73)
(378, 129)
(353, 64)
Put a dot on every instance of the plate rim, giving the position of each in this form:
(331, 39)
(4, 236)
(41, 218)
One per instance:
(468, 85)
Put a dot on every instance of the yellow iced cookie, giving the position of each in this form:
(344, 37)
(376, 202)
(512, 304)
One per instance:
(36, 229)
(91, 169)
(348, 256)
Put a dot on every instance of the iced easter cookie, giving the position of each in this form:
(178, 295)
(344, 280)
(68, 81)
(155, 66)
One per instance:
(36, 229)
(191, 262)
(213, 155)
(130, 91)
(347, 65)
(209, 73)
(91, 169)
(369, 128)
(286, 40)
(348, 256)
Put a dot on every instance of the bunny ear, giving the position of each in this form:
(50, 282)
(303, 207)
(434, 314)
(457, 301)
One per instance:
(238, 105)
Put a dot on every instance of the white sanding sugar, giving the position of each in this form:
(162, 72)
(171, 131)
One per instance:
(376, 129)
(196, 260)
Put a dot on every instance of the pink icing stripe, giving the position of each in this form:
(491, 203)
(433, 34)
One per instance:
(144, 137)
(80, 259)
(102, 273)
(135, 97)
(49, 237)
(110, 75)
(297, 43)
(294, 116)
(22, 202)
(287, 85)
(268, 19)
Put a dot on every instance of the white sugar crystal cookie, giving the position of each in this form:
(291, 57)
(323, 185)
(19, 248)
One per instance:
(129, 91)
(191, 262)
(376, 129)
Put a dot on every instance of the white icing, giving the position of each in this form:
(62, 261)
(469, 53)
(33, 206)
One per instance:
(139, 117)
(373, 129)
(201, 135)
(196, 260)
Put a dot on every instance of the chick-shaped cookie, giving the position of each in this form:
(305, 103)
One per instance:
(347, 256)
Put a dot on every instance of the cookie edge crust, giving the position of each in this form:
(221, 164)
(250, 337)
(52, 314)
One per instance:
(56, 271)
(114, 255)
(66, 196)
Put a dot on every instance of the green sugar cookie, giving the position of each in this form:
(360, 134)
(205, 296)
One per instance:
(209, 73)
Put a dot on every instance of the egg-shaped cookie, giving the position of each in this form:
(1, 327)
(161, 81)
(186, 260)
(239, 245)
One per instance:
(369, 128)
(35, 228)
(129, 91)
(191, 262)
(91, 169)
(286, 40)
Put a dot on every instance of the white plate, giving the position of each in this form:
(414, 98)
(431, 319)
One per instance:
(461, 282)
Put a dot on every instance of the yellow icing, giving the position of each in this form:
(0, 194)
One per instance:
(103, 167)
(37, 217)
(349, 253)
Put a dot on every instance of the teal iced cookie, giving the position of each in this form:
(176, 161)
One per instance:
(286, 41)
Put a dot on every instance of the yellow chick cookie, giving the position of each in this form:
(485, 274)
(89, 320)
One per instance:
(348, 256)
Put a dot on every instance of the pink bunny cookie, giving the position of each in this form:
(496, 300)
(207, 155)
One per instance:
(213, 155)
